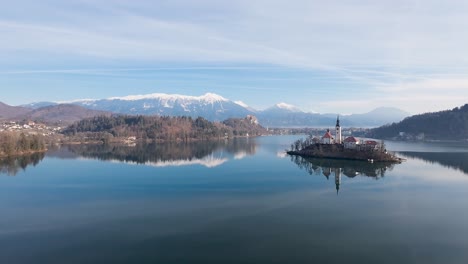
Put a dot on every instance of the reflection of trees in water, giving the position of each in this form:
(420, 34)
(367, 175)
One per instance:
(171, 151)
(12, 165)
(453, 160)
(326, 167)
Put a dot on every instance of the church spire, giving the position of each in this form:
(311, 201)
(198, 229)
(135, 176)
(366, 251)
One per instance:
(338, 131)
(337, 179)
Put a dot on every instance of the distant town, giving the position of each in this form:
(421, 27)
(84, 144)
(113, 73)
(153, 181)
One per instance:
(30, 127)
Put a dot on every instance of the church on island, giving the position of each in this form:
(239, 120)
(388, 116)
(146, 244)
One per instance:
(348, 143)
(332, 146)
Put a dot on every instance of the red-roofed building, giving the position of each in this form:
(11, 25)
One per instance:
(371, 144)
(327, 138)
(351, 142)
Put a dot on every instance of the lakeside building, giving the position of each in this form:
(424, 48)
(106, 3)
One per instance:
(351, 142)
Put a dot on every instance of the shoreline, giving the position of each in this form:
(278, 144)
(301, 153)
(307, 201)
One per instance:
(137, 141)
(338, 152)
(297, 153)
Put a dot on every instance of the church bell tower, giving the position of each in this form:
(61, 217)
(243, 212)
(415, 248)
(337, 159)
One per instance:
(337, 179)
(338, 131)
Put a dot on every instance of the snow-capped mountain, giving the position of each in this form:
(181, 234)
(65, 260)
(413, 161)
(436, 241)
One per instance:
(210, 106)
(287, 107)
(37, 105)
(217, 108)
(284, 108)
(209, 98)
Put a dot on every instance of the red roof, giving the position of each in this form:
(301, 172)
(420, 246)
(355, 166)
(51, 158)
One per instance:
(351, 139)
(327, 135)
(371, 142)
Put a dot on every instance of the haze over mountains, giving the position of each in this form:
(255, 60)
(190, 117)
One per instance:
(217, 108)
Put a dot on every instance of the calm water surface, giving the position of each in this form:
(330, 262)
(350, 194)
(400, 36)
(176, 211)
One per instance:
(239, 201)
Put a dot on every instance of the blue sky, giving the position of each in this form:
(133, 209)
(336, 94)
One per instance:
(324, 56)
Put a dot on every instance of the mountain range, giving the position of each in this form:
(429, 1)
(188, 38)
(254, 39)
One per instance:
(217, 108)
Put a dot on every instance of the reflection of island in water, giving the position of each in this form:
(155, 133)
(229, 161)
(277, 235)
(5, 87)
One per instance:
(206, 153)
(349, 168)
(453, 160)
(12, 165)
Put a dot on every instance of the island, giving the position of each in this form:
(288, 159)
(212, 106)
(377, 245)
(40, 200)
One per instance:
(351, 148)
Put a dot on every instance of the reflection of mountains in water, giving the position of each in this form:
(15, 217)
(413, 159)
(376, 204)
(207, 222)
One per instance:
(12, 165)
(350, 168)
(206, 153)
(453, 160)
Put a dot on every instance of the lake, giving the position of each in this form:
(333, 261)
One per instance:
(236, 201)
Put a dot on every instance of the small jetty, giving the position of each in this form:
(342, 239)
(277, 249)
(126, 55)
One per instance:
(351, 148)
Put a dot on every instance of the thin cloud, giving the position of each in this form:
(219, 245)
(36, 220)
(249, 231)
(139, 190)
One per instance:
(415, 100)
(100, 70)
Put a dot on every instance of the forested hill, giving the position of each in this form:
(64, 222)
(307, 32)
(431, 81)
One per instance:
(159, 128)
(443, 125)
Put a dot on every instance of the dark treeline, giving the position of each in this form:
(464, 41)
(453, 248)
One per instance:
(159, 128)
(444, 125)
(15, 143)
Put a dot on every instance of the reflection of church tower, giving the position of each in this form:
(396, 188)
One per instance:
(337, 179)
(338, 131)
(326, 171)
